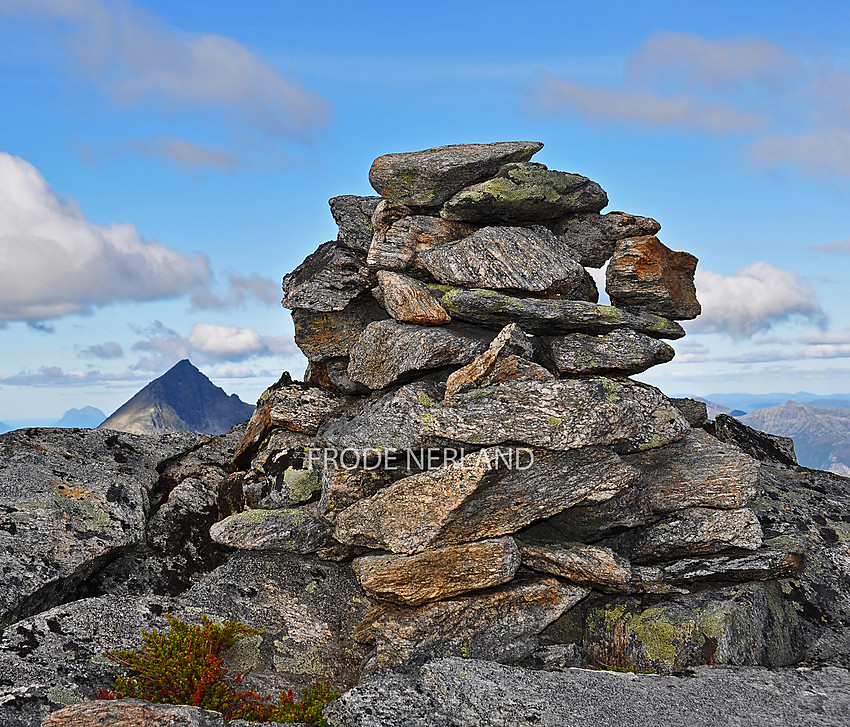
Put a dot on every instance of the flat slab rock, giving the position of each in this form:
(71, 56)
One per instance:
(296, 530)
(328, 280)
(437, 574)
(548, 317)
(525, 192)
(471, 693)
(126, 712)
(622, 352)
(520, 259)
(428, 178)
(588, 565)
(593, 237)
(556, 414)
(483, 495)
(647, 275)
(500, 624)
(390, 351)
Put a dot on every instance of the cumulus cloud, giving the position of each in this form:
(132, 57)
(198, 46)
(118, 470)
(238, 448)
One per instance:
(105, 351)
(54, 262)
(240, 290)
(753, 299)
(787, 108)
(208, 343)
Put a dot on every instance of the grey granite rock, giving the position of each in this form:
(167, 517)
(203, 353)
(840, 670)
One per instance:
(486, 494)
(471, 693)
(622, 351)
(645, 274)
(500, 624)
(765, 447)
(524, 193)
(389, 351)
(557, 414)
(409, 301)
(398, 247)
(428, 178)
(593, 237)
(323, 335)
(328, 280)
(539, 316)
(294, 530)
(302, 408)
(353, 215)
(517, 259)
(696, 412)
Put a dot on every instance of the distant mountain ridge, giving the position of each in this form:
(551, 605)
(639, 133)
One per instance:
(182, 399)
(88, 417)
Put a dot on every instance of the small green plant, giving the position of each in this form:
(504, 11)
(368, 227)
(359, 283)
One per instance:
(185, 666)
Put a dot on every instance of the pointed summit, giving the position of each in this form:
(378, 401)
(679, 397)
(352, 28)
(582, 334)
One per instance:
(181, 400)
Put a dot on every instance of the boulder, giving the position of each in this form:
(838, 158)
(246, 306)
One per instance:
(389, 351)
(587, 565)
(696, 412)
(469, 693)
(302, 407)
(353, 215)
(645, 274)
(328, 280)
(428, 178)
(399, 245)
(72, 500)
(593, 237)
(694, 531)
(409, 301)
(485, 494)
(771, 448)
(505, 359)
(296, 530)
(127, 712)
(523, 193)
(518, 259)
(342, 487)
(540, 316)
(500, 624)
(622, 351)
(434, 575)
(322, 336)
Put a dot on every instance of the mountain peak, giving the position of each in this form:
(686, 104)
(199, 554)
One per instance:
(182, 399)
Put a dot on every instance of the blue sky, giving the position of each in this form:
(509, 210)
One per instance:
(162, 165)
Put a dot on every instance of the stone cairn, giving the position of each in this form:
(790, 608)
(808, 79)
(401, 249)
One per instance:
(467, 437)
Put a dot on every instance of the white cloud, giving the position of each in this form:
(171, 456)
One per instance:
(207, 343)
(841, 247)
(753, 299)
(108, 350)
(54, 262)
(241, 289)
(138, 58)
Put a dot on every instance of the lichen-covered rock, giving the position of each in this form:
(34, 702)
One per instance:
(546, 317)
(428, 178)
(353, 215)
(434, 575)
(525, 192)
(72, 499)
(399, 245)
(647, 275)
(587, 565)
(557, 414)
(751, 624)
(409, 301)
(697, 471)
(593, 237)
(307, 610)
(323, 335)
(694, 531)
(127, 712)
(518, 259)
(328, 280)
(505, 359)
(486, 494)
(765, 447)
(622, 351)
(296, 530)
(389, 351)
(470, 693)
(500, 624)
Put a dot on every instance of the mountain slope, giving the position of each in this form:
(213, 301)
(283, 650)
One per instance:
(88, 417)
(180, 400)
(821, 436)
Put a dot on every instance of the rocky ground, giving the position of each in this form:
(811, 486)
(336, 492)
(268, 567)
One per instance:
(467, 513)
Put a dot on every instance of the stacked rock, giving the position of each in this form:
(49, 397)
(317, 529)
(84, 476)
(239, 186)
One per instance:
(466, 431)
